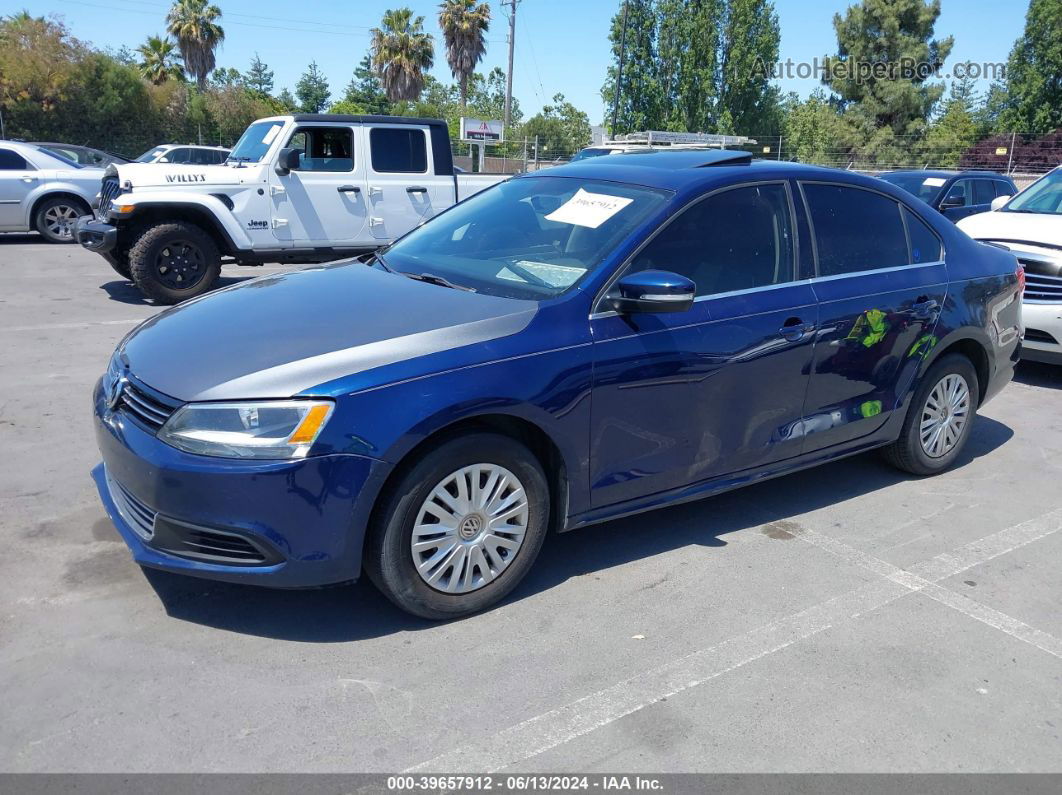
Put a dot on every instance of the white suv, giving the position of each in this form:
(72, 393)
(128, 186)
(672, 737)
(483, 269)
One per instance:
(44, 191)
(1030, 225)
(179, 155)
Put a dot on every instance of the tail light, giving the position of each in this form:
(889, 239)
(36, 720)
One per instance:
(1020, 273)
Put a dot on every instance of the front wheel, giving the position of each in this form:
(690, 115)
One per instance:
(55, 219)
(174, 262)
(939, 419)
(461, 528)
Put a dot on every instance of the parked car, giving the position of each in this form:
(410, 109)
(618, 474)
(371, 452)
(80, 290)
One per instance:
(1030, 227)
(565, 348)
(185, 155)
(43, 191)
(305, 188)
(956, 194)
(84, 155)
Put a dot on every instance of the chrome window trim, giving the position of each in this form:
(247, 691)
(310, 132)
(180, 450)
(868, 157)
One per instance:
(794, 264)
(837, 276)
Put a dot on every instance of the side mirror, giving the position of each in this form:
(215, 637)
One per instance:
(999, 201)
(652, 291)
(287, 161)
(163, 159)
(951, 202)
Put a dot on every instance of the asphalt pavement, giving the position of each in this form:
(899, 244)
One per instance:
(849, 618)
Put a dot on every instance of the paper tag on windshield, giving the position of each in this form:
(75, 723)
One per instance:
(934, 182)
(588, 209)
(271, 133)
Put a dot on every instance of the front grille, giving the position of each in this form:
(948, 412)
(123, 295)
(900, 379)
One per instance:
(136, 514)
(1041, 288)
(210, 545)
(1035, 335)
(148, 407)
(109, 191)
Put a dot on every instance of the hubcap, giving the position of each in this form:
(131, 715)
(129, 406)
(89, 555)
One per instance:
(60, 219)
(944, 415)
(180, 265)
(470, 528)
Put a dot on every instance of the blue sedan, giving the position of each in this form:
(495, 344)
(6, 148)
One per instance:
(568, 347)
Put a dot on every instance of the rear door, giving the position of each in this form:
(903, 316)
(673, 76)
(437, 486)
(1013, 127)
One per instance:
(404, 189)
(17, 179)
(880, 280)
(322, 202)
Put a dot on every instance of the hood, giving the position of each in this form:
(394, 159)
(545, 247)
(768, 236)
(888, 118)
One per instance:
(277, 336)
(1032, 228)
(143, 175)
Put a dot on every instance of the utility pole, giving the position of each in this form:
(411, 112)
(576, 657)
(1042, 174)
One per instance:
(619, 72)
(509, 73)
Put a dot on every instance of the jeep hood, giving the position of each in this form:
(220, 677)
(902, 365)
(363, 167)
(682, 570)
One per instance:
(1040, 229)
(280, 335)
(153, 175)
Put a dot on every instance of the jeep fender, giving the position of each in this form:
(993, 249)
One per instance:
(201, 204)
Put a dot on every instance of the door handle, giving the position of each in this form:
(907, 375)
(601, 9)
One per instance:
(416, 189)
(29, 179)
(348, 189)
(375, 190)
(925, 309)
(795, 329)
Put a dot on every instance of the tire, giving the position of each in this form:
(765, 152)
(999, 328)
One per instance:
(55, 218)
(120, 264)
(909, 452)
(389, 554)
(168, 255)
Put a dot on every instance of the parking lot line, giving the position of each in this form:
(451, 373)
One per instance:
(558, 726)
(86, 324)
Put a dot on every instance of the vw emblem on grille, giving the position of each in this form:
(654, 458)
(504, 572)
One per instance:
(114, 391)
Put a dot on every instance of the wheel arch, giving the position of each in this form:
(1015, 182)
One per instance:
(150, 214)
(973, 348)
(56, 194)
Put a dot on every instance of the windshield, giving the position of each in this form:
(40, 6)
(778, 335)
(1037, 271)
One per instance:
(255, 141)
(531, 238)
(924, 186)
(68, 156)
(585, 153)
(151, 154)
(1044, 196)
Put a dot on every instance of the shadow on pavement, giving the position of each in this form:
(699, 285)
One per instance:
(1038, 374)
(127, 293)
(353, 612)
(13, 238)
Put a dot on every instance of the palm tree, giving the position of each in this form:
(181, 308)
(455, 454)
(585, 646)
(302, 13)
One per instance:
(401, 53)
(463, 24)
(194, 24)
(159, 60)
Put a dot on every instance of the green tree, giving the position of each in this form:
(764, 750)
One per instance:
(886, 55)
(158, 60)
(365, 91)
(259, 77)
(464, 25)
(810, 131)
(194, 24)
(562, 128)
(748, 103)
(226, 76)
(1034, 72)
(233, 107)
(401, 54)
(287, 102)
(312, 90)
(641, 101)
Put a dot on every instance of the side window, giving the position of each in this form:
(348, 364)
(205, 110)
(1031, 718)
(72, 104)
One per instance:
(401, 150)
(217, 157)
(1003, 189)
(323, 148)
(925, 245)
(960, 190)
(734, 240)
(983, 192)
(855, 230)
(181, 156)
(12, 161)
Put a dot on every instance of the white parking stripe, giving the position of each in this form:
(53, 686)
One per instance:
(86, 324)
(558, 726)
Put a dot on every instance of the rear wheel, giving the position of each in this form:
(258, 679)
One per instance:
(939, 420)
(55, 218)
(461, 528)
(174, 262)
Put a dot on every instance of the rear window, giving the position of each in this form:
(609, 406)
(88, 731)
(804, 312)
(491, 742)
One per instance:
(398, 150)
(855, 230)
(12, 161)
(925, 245)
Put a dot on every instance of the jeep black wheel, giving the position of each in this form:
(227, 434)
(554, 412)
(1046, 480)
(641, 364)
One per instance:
(174, 262)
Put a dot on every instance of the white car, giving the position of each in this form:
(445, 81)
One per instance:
(185, 155)
(44, 191)
(1030, 225)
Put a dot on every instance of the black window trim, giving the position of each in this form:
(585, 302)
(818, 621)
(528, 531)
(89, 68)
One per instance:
(428, 153)
(595, 307)
(814, 245)
(353, 144)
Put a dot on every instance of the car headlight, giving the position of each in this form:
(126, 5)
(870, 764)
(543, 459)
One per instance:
(258, 429)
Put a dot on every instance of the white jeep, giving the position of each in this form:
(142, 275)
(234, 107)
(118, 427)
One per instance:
(302, 189)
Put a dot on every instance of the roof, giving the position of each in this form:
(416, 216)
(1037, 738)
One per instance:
(343, 118)
(941, 172)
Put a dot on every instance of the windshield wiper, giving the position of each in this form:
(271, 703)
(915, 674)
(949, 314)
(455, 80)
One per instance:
(378, 257)
(431, 278)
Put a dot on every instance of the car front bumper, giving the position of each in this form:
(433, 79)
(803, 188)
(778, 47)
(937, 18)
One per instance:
(1043, 332)
(95, 235)
(286, 524)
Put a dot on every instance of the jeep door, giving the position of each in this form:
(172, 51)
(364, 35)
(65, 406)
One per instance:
(404, 189)
(685, 397)
(881, 281)
(323, 202)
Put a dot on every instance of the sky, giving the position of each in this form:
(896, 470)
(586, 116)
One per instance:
(561, 45)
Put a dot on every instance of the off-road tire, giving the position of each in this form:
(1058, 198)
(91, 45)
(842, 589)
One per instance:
(388, 559)
(906, 452)
(64, 205)
(154, 241)
(120, 263)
